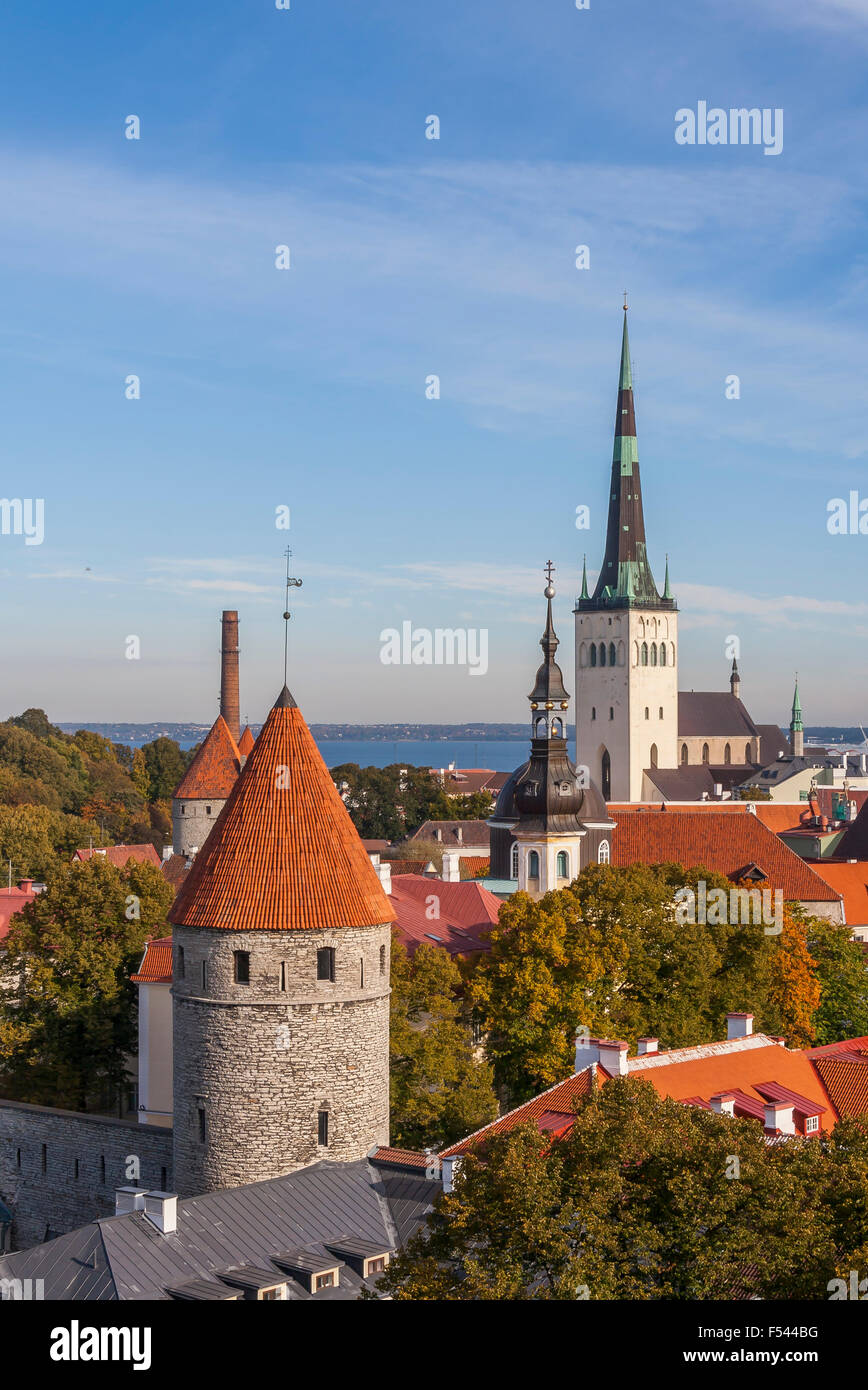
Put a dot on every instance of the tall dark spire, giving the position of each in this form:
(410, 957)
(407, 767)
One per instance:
(625, 579)
(548, 690)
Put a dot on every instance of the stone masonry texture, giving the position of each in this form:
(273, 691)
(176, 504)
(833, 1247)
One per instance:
(39, 1151)
(256, 1064)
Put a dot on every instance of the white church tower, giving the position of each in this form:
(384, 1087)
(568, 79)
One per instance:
(626, 636)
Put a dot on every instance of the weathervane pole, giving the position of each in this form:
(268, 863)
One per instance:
(290, 584)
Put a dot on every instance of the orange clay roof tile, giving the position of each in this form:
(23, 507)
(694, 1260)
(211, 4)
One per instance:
(245, 743)
(215, 767)
(156, 966)
(283, 854)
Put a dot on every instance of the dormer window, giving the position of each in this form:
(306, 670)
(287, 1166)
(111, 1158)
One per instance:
(812, 1124)
(324, 1281)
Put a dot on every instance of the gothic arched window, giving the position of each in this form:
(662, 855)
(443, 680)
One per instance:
(647, 712)
(593, 653)
(593, 711)
(644, 653)
(662, 653)
(653, 754)
(684, 754)
(563, 864)
(660, 713)
(747, 752)
(613, 659)
(653, 653)
(603, 853)
(705, 752)
(533, 864)
(602, 653)
(606, 778)
(635, 653)
(727, 754)
(513, 860)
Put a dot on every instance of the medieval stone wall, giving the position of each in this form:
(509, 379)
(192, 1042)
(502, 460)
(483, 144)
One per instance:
(255, 1064)
(59, 1169)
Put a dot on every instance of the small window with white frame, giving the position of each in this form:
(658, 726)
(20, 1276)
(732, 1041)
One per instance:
(812, 1124)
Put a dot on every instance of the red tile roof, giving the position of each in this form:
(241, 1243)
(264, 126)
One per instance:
(401, 1158)
(119, 855)
(407, 866)
(745, 1067)
(846, 1082)
(156, 966)
(215, 767)
(851, 881)
(474, 865)
(11, 901)
(717, 840)
(245, 743)
(466, 913)
(283, 853)
(175, 869)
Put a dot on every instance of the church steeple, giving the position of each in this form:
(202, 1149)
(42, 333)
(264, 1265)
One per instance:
(625, 579)
(735, 680)
(797, 732)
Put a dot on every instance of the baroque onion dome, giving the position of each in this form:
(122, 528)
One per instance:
(547, 793)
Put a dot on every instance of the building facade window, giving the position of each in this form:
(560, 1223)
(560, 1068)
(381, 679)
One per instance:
(204, 976)
(653, 653)
(606, 777)
(203, 1125)
(604, 852)
(705, 755)
(647, 713)
(611, 711)
(593, 653)
(644, 653)
(533, 864)
(602, 653)
(727, 754)
(660, 712)
(812, 1124)
(653, 754)
(563, 864)
(382, 960)
(361, 972)
(181, 963)
(684, 754)
(242, 967)
(325, 963)
(747, 756)
(283, 976)
(513, 861)
(593, 711)
(322, 1128)
(613, 660)
(662, 653)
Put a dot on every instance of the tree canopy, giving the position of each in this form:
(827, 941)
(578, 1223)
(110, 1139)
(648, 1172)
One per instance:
(644, 1198)
(67, 1007)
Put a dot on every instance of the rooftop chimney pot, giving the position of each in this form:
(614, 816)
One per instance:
(739, 1026)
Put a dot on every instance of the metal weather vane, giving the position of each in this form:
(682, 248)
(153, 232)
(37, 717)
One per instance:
(290, 584)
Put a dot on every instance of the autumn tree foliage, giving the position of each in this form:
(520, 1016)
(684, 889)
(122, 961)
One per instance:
(67, 1006)
(440, 1090)
(644, 1199)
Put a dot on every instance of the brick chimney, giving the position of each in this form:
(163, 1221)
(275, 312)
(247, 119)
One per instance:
(230, 706)
(645, 1046)
(779, 1115)
(739, 1026)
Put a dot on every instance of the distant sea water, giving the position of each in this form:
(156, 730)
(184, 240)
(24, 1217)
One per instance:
(500, 756)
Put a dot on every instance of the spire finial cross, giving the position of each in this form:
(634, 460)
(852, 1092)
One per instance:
(549, 570)
(625, 301)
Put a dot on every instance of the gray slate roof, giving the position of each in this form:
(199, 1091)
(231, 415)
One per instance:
(713, 714)
(126, 1257)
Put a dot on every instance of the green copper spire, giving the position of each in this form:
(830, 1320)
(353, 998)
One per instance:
(625, 382)
(625, 578)
(667, 592)
(796, 723)
(584, 593)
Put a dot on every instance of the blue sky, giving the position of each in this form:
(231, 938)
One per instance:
(306, 387)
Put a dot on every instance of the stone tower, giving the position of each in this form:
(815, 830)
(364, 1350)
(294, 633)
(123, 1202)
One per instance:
(201, 793)
(550, 822)
(797, 729)
(626, 635)
(280, 977)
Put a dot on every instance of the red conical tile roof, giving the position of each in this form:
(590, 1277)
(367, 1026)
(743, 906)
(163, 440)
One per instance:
(284, 854)
(245, 743)
(214, 769)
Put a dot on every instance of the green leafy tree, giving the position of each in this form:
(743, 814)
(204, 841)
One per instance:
(843, 980)
(37, 839)
(68, 1011)
(643, 1200)
(439, 1090)
(165, 764)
